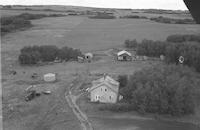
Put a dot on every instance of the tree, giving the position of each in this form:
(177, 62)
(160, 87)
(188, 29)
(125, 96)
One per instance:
(122, 79)
(164, 89)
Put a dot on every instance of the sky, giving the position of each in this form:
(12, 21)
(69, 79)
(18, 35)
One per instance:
(134, 4)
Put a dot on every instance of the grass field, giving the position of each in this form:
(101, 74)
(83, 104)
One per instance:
(92, 35)
(17, 12)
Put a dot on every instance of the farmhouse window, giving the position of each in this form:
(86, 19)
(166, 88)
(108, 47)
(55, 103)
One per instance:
(105, 89)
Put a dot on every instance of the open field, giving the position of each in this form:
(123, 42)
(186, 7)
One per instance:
(107, 120)
(17, 12)
(93, 35)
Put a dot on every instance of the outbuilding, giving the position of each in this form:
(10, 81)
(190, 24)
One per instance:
(50, 77)
(124, 56)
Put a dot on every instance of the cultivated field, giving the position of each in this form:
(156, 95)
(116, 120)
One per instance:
(89, 35)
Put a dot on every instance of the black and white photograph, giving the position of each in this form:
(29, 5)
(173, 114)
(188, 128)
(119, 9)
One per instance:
(100, 65)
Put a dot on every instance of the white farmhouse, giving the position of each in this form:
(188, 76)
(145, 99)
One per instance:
(105, 90)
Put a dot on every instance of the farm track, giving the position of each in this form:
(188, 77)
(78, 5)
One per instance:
(71, 100)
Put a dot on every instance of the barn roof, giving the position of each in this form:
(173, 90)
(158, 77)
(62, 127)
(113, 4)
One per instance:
(123, 52)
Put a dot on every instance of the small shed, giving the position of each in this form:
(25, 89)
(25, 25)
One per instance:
(124, 56)
(50, 77)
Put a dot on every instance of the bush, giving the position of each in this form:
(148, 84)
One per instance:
(183, 38)
(27, 16)
(151, 48)
(174, 47)
(131, 43)
(102, 16)
(29, 58)
(67, 53)
(46, 53)
(119, 107)
(190, 52)
(162, 19)
(164, 89)
(9, 24)
(122, 79)
(12, 23)
(134, 17)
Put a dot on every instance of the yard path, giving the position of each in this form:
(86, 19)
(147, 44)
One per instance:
(71, 99)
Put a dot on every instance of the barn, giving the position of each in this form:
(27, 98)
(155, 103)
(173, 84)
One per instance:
(124, 56)
(104, 90)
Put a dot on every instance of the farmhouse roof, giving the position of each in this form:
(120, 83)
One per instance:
(123, 52)
(108, 81)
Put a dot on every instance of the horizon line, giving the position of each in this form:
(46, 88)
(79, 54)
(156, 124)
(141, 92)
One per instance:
(94, 7)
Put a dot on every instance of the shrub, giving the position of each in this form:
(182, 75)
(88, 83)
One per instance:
(102, 16)
(46, 53)
(27, 16)
(162, 19)
(164, 89)
(9, 24)
(122, 79)
(174, 47)
(12, 23)
(67, 53)
(183, 38)
(190, 52)
(131, 43)
(151, 48)
(134, 17)
(119, 107)
(29, 58)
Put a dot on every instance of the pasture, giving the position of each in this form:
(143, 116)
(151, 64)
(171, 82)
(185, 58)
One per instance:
(17, 12)
(88, 35)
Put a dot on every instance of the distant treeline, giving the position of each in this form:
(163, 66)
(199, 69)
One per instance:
(47, 53)
(174, 47)
(134, 17)
(161, 11)
(102, 16)
(22, 21)
(162, 89)
(183, 38)
(162, 19)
